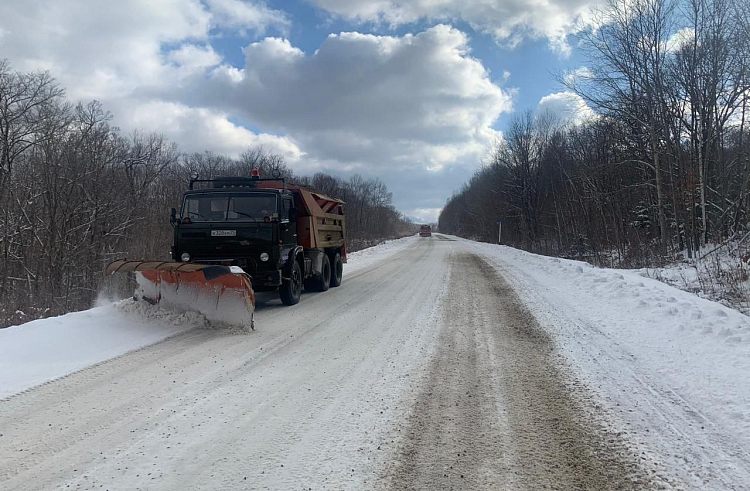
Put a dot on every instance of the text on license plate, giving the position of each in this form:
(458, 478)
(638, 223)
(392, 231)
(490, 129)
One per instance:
(223, 233)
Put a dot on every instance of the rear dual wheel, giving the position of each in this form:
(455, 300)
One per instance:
(323, 282)
(332, 272)
(337, 270)
(331, 276)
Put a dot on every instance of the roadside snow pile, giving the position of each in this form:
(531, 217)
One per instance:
(224, 306)
(675, 366)
(46, 349)
(721, 274)
(153, 314)
(360, 259)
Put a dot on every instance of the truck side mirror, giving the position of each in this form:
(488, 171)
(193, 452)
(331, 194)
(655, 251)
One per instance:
(173, 217)
(292, 215)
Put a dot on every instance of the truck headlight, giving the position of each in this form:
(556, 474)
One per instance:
(264, 256)
(185, 257)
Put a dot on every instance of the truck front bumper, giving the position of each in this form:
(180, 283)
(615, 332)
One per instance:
(269, 279)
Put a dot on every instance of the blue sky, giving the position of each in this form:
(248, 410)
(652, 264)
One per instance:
(412, 91)
(532, 64)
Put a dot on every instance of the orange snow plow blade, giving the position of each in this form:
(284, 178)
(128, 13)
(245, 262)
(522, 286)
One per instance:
(223, 294)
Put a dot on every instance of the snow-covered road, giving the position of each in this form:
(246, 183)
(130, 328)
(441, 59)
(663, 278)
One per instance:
(433, 366)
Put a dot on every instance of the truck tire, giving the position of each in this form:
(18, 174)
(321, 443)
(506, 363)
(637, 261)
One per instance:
(337, 271)
(291, 289)
(322, 282)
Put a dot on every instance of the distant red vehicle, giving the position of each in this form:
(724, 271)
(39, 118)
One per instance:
(425, 231)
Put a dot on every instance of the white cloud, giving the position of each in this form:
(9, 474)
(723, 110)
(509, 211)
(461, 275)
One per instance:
(198, 129)
(109, 49)
(680, 38)
(98, 50)
(577, 75)
(567, 106)
(509, 21)
(416, 100)
(246, 16)
(192, 59)
(116, 52)
(424, 215)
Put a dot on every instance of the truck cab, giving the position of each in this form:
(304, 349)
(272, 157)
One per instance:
(264, 227)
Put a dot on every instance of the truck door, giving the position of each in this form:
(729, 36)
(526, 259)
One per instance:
(288, 228)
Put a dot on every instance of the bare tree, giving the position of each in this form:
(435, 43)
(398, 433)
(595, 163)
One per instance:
(628, 55)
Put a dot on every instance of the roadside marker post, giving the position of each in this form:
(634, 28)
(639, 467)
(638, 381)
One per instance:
(499, 232)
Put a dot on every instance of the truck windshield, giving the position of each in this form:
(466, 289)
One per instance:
(229, 208)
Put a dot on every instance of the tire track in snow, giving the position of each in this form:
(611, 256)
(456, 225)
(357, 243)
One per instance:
(495, 412)
(700, 453)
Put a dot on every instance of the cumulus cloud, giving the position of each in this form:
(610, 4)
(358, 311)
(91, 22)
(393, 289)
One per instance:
(118, 52)
(192, 59)
(246, 16)
(414, 100)
(684, 36)
(579, 74)
(509, 21)
(98, 50)
(199, 129)
(567, 106)
(109, 49)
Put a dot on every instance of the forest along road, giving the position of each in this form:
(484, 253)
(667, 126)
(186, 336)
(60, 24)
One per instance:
(422, 371)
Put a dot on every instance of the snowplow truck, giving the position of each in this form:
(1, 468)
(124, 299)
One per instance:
(223, 294)
(284, 237)
(237, 235)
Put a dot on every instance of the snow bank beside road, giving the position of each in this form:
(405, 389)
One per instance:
(365, 257)
(673, 366)
(46, 349)
(721, 276)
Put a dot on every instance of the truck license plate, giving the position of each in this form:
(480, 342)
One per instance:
(223, 233)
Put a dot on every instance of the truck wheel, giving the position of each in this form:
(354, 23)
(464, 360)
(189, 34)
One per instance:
(337, 270)
(291, 289)
(321, 283)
